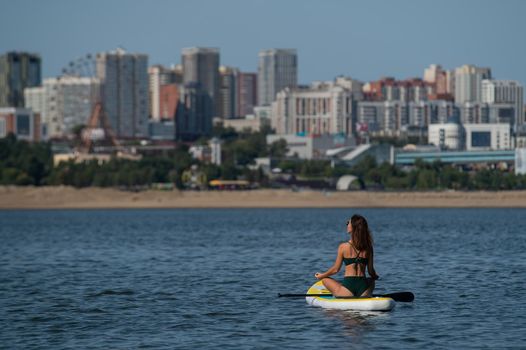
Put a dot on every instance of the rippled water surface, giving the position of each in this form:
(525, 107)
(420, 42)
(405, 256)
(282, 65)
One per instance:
(166, 279)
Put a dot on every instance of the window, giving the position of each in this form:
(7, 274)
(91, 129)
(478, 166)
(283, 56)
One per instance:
(481, 139)
(23, 126)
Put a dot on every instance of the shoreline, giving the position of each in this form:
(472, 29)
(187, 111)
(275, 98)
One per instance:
(63, 197)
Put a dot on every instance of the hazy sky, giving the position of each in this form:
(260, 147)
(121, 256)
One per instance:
(361, 39)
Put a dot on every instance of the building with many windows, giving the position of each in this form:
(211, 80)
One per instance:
(67, 103)
(506, 98)
(321, 109)
(390, 89)
(124, 80)
(393, 117)
(18, 70)
(246, 93)
(441, 81)
(277, 69)
(201, 65)
(228, 95)
(468, 83)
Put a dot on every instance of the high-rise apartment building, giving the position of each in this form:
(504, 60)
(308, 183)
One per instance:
(246, 93)
(201, 65)
(393, 117)
(277, 69)
(160, 76)
(319, 109)
(228, 92)
(431, 74)
(441, 82)
(18, 70)
(505, 92)
(124, 79)
(389, 89)
(68, 102)
(63, 103)
(468, 83)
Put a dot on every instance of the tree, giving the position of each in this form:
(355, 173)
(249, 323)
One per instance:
(278, 149)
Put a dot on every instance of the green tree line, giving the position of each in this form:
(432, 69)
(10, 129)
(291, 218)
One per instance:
(434, 176)
(23, 163)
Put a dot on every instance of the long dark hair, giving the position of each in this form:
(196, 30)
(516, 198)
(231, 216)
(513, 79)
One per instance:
(361, 236)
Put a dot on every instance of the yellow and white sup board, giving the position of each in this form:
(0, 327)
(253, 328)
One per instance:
(360, 304)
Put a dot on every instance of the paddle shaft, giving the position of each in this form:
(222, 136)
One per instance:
(405, 297)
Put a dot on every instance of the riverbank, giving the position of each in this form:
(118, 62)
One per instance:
(62, 197)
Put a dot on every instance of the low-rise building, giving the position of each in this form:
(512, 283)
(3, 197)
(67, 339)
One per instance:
(470, 137)
(210, 153)
(480, 137)
(21, 122)
(446, 136)
(250, 122)
(162, 130)
(312, 146)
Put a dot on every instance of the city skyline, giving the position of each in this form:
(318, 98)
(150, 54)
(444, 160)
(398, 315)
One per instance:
(364, 41)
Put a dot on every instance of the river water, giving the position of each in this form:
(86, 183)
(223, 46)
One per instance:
(178, 279)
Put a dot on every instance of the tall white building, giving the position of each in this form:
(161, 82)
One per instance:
(277, 69)
(468, 83)
(63, 103)
(322, 109)
(124, 79)
(503, 93)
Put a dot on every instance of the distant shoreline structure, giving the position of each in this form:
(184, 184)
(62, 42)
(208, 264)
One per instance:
(63, 197)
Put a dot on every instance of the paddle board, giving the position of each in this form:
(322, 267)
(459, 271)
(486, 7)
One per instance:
(361, 304)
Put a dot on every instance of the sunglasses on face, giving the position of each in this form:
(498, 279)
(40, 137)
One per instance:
(348, 222)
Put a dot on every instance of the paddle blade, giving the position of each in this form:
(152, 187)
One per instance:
(403, 297)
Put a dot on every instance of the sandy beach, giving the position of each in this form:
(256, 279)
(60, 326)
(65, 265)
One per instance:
(63, 197)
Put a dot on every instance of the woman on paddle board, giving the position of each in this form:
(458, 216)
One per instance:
(357, 255)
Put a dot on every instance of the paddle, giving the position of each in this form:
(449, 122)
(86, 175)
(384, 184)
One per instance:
(403, 297)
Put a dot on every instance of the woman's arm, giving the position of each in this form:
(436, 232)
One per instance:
(334, 268)
(370, 266)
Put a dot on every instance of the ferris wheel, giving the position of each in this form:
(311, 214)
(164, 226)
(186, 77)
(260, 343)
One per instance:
(84, 66)
(98, 129)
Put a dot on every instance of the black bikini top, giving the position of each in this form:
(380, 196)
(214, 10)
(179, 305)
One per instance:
(356, 260)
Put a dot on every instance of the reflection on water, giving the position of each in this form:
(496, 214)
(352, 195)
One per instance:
(355, 323)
